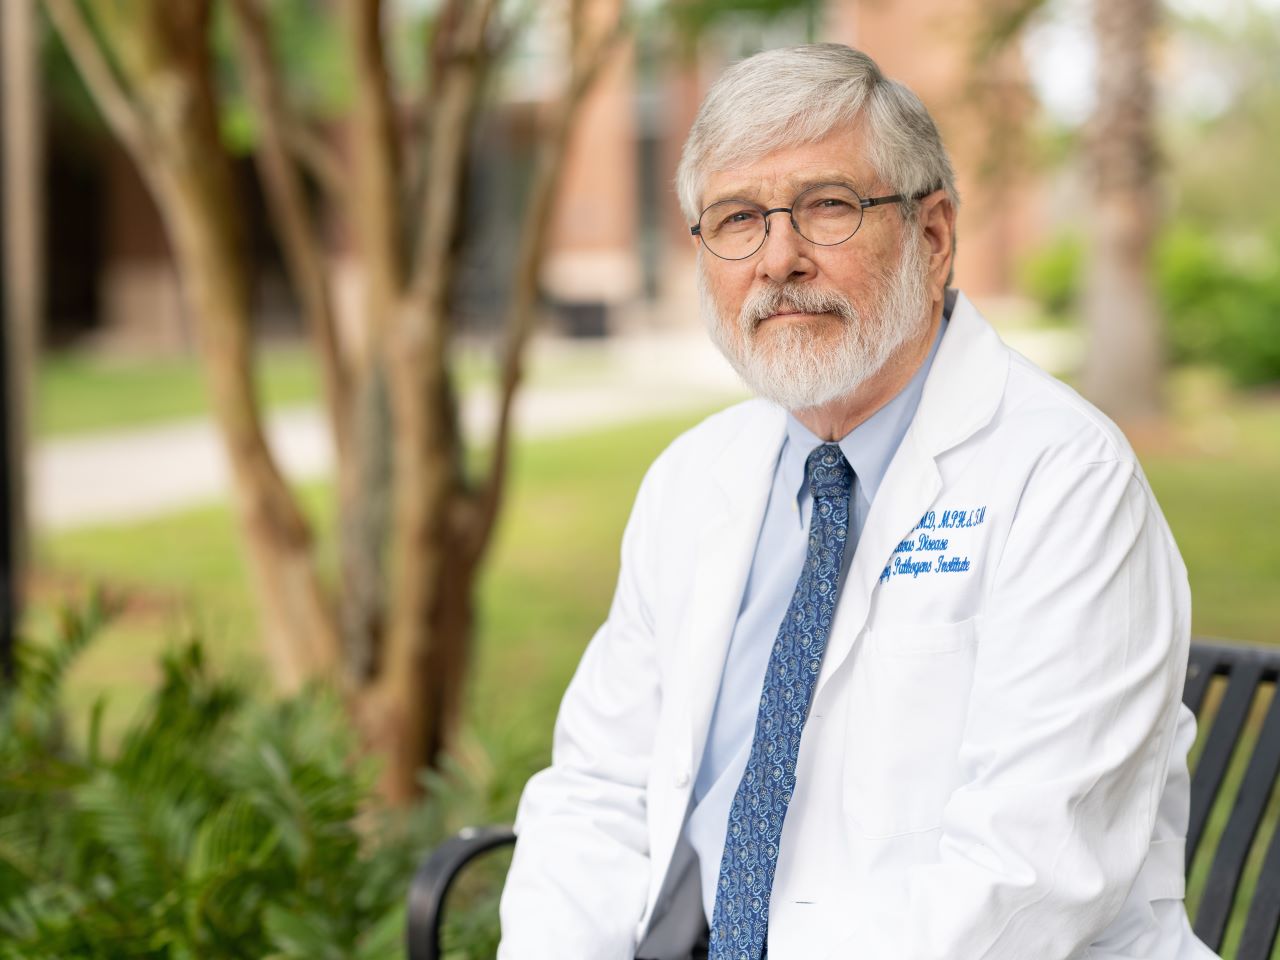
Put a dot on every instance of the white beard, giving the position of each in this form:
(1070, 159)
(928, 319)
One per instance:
(794, 364)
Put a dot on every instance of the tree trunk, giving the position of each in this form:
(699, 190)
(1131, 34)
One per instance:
(426, 565)
(411, 715)
(23, 285)
(364, 517)
(1124, 360)
(194, 182)
(413, 526)
(299, 628)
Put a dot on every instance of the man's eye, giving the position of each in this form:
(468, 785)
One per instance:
(831, 204)
(737, 220)
(832, 209)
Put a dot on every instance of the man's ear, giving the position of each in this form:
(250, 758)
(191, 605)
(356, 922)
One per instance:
(937, 218)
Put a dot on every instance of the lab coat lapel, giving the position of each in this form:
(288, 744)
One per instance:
(740, 484)
(909, 486)
(960, 396)
(731, 514)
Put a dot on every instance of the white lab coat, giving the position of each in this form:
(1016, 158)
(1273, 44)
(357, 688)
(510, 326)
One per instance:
(994, 765)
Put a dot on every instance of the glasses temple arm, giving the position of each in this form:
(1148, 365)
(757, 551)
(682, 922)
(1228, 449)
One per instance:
(895, 198)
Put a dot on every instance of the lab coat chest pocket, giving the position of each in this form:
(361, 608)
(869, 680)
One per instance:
(909, 692)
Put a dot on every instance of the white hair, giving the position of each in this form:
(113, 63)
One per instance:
(802, 94)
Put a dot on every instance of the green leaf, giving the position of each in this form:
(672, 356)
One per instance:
(306, 937)
(385, 938)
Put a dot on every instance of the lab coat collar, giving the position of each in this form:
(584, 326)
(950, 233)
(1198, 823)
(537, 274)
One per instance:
(966, 383)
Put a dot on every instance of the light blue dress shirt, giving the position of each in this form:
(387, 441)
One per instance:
(775, 568)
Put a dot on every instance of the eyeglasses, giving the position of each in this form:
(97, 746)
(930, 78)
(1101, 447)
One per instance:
(825, 214)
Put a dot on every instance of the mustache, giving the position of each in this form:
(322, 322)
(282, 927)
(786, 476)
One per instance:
(792, 296)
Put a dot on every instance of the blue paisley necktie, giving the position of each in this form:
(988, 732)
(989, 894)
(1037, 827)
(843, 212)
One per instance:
(740, 919)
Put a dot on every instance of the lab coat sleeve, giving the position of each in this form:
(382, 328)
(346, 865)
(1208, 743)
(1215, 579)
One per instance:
(1082, 649)
(579, 878)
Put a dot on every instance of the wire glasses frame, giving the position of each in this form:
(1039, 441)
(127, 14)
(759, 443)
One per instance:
(826, 214)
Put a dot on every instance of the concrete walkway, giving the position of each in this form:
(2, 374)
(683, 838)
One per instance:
(131, 475)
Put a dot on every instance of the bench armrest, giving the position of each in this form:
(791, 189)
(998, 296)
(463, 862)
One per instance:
(436, 875)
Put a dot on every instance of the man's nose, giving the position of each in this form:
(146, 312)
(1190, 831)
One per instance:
(785, 254)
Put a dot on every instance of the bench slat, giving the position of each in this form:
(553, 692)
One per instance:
(1246, 816)
(1263, 922)
(1203, 663)
(1242, 682)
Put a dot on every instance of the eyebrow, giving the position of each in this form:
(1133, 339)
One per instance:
(798, 186)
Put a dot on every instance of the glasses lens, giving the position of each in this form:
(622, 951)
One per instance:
(732, 229)
(828, 214)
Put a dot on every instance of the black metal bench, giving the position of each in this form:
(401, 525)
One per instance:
(1227, 711)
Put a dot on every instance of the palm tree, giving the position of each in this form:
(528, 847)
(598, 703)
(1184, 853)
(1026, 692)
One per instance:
(1124, 361)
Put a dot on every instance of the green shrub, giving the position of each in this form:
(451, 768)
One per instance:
(222, 826)
(1051, 275)
(1221, 309)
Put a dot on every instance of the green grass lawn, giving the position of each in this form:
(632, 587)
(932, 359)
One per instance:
(1218, 482)
(545, 591)
(85, 393)
(79, 392)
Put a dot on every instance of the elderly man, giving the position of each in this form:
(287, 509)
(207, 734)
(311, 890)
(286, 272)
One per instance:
(893, 667)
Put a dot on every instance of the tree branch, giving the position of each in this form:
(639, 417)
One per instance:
(315, 156)
(105, 85)
(197, 191)
(438, 55)
(522, 315)
(288, 203)
(375, 197)
(513, 25)
(458, 66)
(995, 88)
(459, 63)
(1000, 28)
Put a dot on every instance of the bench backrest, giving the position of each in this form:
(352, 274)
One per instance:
(1231, 689)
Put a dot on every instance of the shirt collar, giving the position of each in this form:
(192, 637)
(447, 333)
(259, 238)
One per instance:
(869, 447)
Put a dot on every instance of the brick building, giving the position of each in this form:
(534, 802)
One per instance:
(620, 254)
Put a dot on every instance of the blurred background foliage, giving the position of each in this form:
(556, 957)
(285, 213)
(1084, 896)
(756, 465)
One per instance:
(1217, 260)
(1221, 301)
(217, 824)
(156, 800)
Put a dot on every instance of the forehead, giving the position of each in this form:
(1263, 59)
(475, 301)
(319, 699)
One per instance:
(779, 174)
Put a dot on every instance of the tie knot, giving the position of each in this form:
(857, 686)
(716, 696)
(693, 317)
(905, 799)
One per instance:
(828, 472)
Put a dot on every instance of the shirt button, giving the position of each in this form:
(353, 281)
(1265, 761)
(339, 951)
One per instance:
(682, 779)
